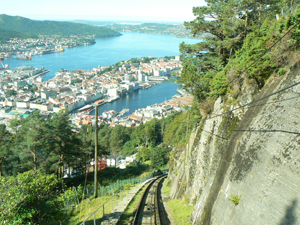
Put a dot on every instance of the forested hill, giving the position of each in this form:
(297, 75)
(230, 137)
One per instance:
(5, 35)
(24, 25)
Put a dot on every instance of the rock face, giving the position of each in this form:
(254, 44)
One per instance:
(252, 152)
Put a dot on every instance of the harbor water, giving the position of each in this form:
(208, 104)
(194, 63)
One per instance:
(108, 51)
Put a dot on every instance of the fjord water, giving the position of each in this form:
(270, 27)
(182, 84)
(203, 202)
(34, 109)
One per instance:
(108, 51)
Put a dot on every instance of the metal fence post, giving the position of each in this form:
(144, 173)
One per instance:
(76, 195)
(94, 219)
(103, 210)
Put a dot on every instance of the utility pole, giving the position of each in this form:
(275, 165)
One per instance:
(96, 152)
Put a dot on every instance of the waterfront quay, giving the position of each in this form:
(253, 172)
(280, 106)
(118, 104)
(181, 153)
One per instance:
(23, 90)
(139, 116)
(45, 44)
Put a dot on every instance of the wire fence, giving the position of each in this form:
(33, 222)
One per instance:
(75, 195)
(117, 191)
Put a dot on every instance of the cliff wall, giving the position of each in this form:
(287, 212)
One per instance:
(252, 152)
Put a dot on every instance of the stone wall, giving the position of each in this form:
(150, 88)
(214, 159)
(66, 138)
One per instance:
(252, 152)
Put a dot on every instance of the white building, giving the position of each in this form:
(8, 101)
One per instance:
(140, 76)
(112, 92)
(22, 104)
(39, 79)
(109, 114)
(157, 73)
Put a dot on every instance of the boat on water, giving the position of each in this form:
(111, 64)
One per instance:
(4, 66)
(24, 57)
(44, 52)
(99, 102)
(1, 58)
(86, 108)
(113, 99)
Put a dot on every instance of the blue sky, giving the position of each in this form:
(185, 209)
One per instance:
(153, 10)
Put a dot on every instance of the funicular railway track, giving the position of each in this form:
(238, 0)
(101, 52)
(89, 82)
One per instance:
(150, 210)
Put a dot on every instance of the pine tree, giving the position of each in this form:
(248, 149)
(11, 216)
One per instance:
(4, 144)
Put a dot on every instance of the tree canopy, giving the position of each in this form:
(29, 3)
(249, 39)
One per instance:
(235, 33)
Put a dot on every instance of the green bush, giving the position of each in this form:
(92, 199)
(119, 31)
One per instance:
(235, 199)
(281, 71)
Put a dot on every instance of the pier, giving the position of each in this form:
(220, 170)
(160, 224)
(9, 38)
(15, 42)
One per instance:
(123, 112)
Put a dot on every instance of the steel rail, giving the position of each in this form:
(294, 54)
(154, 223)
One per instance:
(148, 210)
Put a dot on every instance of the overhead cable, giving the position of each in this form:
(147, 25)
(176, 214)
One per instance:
(243, 106)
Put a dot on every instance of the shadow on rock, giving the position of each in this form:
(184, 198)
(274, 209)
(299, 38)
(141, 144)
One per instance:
(290, 218)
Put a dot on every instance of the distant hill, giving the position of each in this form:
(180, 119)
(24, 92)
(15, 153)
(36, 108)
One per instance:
(5, 35)
(24, 25)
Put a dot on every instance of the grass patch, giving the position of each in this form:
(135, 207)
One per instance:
(235, 199)
(167, 187)
(124, 220)
(148, 162)
(88, 207)
(181, 212)
(91, 204)
(164, 167)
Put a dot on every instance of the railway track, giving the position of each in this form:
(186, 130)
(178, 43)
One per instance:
(150, 210)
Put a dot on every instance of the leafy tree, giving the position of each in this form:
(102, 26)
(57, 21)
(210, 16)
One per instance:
(134, 60)
(145, 153)
(146, 60)
(30, 142)
(104, 134)
(4, 144)
(292, 21)
(254, 46)
(159, 156)
(116, 141)
(152, 132)
(33, 88)
(21, 87)
(64, 142)
(128, 148)
(30, 198)
(11, 92)
(87, 147)
(223, 25)
(138, 136)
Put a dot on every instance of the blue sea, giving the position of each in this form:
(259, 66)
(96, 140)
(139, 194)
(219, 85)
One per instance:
(108, 51)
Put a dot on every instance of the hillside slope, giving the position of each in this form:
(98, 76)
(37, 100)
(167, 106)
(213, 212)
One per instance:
(252, 152)
(24, 25)
(6, 35)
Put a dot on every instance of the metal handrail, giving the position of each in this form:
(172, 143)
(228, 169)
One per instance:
(83, 222)
(114, 194)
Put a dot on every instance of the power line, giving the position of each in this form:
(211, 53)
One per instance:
(268, 131)
(260, 131)
(262, 97)
(251, 66)
(214, 134)
(282, 100)
(287, 99)
(243, 106)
